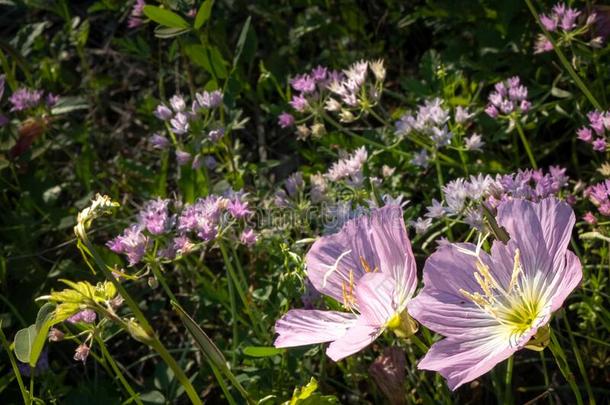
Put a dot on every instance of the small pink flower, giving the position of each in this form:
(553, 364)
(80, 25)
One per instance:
(285, 120)
(248, 237)
(590, 218)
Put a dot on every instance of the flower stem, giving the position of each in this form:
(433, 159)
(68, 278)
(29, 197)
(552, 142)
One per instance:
(508, 381)
(87, 248)
(564, 61)
(135, 396)
(579, 362)
(562, 363)
(526, 144)
(9, 352)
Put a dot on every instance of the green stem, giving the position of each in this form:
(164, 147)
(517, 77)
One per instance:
(153, 341)
(233, 317)
(579, 362)
(117, 371)
(231, 274)
(441, 183)
(562, 363)
(508, 381)
(526, 144)
(9, 352)
(158, 272)
(564, 61)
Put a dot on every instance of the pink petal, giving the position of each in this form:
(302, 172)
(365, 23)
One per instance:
(379, 239)
(440, 305)
(374, 293)
(461, 361)
(301, 327)
(564, 281)
(357, 338)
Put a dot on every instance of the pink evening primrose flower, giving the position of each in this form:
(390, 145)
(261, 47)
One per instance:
(369, 267)
(488, 306)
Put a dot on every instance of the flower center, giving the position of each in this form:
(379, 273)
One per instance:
(518, 307)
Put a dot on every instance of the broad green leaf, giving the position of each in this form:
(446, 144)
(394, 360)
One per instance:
(203, 14)
(165, 17)
(24, 340)
(262, 351)
(208, 58)
(44, 314)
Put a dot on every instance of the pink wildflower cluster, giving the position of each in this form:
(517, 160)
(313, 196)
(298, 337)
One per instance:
(599, 195)
(179, 232)
(509, 97)
(347, 93)
(595, 132)
(349, 168)
(463, 197)
(137, 14)
(563, 20)
(180, 118)
(432, 119)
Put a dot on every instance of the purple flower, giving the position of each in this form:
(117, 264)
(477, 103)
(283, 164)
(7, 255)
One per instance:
(488, 306)
(154, 216)
(23, 99)
(158, 141)
(368, 267)
(304, 83)
(248, 237)
(294, 183)
(209, 99)
(473, 142)
(135, 18)
(55, 335)
(131, 243)
(589, 218)
(216, 134)
(177, 103)
(542, 45)
(349, 168)
(51, 99)
(549, 22)
(568, 19)
(81, 353)
(509, 96)
(599, 145)
(319, 73)
(285, 120)
(163, 112)
(183, 158)
(238, 209)
(86, 316)
(202, 217)
(180, 123)
(299, 103)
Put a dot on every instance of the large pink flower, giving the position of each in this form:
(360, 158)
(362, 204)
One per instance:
(368, 267)
(488, 306)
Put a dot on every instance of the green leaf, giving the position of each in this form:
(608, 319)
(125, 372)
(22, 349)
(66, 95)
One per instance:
(204, 13)
(209, 349)
(262, 351)
(67, 104)
(241, 41)
(169, 32)
(165, 17)
(24, 340)
(307, 395)
(208, 58)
